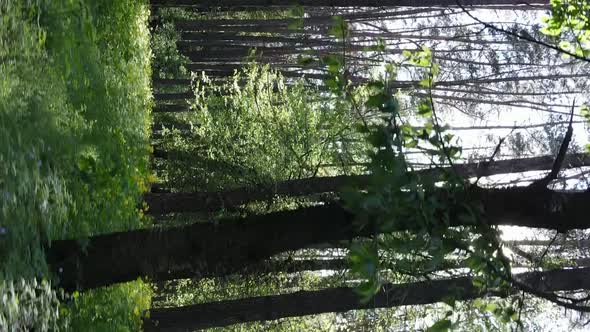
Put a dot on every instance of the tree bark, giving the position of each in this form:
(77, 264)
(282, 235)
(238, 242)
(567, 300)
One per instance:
(341, 3)
(204, 249)
(171, 108)
(206, 201)
(173, 96)
(231, 245)
(223, 313)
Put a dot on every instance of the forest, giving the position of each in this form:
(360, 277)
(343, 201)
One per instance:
(294, 165)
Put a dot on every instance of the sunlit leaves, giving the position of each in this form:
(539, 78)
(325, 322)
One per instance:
(364, 263)
(260, 131)
(339, 28)
(397, 198)
(305, 60)
(333, 63)
(380, 46)
(74, 123)
(570, 20)
(425, 109)
(30, 305)
(442, 325)
(297, 11)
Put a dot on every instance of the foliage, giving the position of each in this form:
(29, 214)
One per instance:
(29, 306)
(570, 20)
(585, 112)
(397, 198)
(168, 62)
(119, 308)
(74, 118)
(256, 128)
(187, 292)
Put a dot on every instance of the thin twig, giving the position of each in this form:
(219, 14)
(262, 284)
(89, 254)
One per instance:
(523, 37)
(436, 122)
(487, 164)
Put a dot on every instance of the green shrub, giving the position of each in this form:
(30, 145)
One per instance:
(30, 306)
(257, 128)
(118, 308)
(75, 101)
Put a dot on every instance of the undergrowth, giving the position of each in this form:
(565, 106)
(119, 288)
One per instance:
(75, 97)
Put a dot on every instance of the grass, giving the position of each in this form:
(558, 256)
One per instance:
(75, 102)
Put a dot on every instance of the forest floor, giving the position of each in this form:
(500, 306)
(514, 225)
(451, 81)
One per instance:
(75, 104)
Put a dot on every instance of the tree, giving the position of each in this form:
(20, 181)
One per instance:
(206, 315)
(231, 245)
(399, 212)
(335, 3)
(160, 203)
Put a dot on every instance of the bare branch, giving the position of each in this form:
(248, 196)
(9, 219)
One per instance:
(523, 37)
(542, 183)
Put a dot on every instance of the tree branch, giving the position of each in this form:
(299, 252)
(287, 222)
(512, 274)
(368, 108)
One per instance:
(557, 164)
(521, 36)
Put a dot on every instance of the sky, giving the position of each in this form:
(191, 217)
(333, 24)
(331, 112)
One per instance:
(553, 318)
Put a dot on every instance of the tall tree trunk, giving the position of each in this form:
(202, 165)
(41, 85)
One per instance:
(231, 245)
(203, 250)
(340, 3)
(223, 313)
(204, 201)
(173, 96)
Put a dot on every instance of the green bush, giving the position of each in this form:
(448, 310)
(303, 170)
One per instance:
(118, 308)
(29, 306)
(257, 128)
(75, 101)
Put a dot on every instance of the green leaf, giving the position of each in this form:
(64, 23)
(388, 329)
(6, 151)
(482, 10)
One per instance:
(478, 282)
(332, 84)
(426, 82)
(376, 101)
(305, 61)
(454, 151)
(364, 260)
(565, 45)
(361, 128)
(450, 300)
(378, 138)
(331, 59)
(339, 27)
(491, 307)
(424, 109)
(411, 143)
(375, 86)
(391, 106)
(440, 326)
(333, 62)
(367, 290)
(379, 47)
(297, 11)
(296, 24)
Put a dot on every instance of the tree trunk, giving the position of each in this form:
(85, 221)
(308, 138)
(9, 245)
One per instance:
(201, 250)
(173, 96)
(170, 108)
(223, 313)
(340, 3)
(204, 201)
(231, 245)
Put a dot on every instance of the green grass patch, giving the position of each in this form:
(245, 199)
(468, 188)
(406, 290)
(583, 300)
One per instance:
(75, 102)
